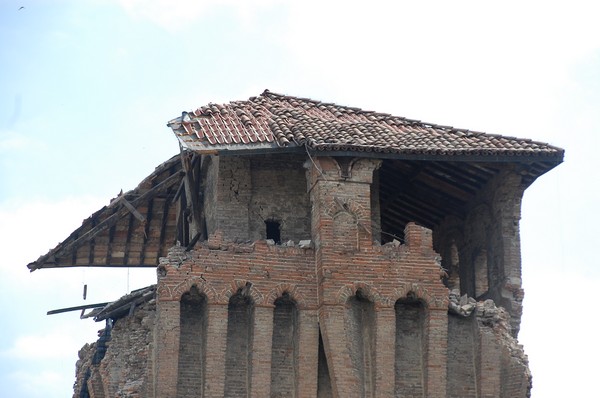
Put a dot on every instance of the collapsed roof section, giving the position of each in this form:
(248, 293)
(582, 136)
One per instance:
(123, 306)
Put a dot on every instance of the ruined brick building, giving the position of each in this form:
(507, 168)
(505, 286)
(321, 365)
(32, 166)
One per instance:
(307, 249)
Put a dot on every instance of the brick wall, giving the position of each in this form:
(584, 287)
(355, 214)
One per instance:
(125, 369)
(462, 357)
(346, 317)
(242, 193)
(279, 193)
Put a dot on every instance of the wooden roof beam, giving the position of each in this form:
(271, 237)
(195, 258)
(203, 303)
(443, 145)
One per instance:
(108, 222)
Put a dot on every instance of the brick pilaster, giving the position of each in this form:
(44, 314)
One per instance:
(385, 352)
(344, 381)
(261, 352)
(437, 353)
(216, 341)
(308, 354)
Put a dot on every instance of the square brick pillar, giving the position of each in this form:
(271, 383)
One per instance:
(308, 353)
(261, 352)
(385, 352)
(344, 381)
(437, 352)
(340, 193)
(216, 344)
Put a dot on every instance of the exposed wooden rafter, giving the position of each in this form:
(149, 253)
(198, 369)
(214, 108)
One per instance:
(106, 224)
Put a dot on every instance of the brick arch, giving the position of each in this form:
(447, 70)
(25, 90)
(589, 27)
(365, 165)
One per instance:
(204, 287)
(291, 289)
(364, 163)
(325, 162)
(336, 206)
(237, 284)
(163, 292)
(369, 291)
(421, 293)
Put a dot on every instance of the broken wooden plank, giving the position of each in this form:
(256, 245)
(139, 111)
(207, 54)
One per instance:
(77, 308)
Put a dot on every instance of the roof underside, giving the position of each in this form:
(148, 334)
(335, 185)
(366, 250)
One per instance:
(426, 192)
(136, 229)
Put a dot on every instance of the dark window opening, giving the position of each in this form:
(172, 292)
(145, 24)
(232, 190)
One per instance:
(192, 343)
(273, 230)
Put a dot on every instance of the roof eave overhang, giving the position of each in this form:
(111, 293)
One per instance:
(264, 148)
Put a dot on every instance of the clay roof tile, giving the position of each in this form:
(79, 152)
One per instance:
(286, 120)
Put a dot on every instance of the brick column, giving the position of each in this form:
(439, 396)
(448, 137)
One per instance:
(308, 354)
(340, 193)
(385, 352)
(167, 348)
(216, 341)
(261, 352)
(437, 352)
(344, 380)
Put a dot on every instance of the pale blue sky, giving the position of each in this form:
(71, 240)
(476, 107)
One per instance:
(86, 89)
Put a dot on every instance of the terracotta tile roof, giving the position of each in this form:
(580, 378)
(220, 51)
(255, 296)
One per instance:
(273, 120)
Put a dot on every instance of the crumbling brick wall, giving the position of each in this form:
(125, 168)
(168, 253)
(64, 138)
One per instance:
(487, 245)
(281, 354)
(341, 316)
(125, 369)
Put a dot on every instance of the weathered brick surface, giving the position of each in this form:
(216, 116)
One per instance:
(488, 244)
(462, 357)
(245, 192)
(239, 317)
(124, 370)
(410, 359)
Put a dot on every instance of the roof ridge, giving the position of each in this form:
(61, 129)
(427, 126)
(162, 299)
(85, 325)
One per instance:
(384, 115)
